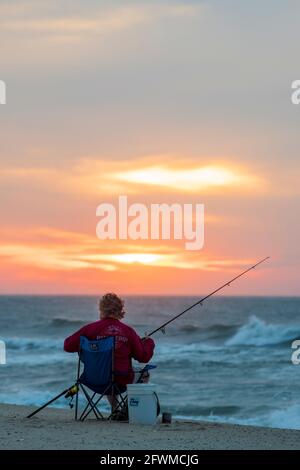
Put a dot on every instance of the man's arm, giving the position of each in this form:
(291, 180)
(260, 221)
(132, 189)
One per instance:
(72, 343)
(141, 350)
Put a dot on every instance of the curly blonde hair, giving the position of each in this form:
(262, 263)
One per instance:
(111, 305)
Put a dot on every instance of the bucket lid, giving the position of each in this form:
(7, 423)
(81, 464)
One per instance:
(143, 389)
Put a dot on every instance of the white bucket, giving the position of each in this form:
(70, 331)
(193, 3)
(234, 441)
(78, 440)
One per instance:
(142, 403)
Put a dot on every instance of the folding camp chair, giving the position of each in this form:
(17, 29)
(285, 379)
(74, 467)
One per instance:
(99, 376)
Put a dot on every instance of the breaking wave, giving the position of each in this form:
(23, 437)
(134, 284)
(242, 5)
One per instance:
(259, 333)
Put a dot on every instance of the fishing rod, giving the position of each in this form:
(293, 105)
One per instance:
(227, 284)
(68, 393)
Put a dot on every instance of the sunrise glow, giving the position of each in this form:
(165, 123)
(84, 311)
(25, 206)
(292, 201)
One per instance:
(106, 109)
(193, 179)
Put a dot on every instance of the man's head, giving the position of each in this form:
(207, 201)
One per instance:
(111, 306)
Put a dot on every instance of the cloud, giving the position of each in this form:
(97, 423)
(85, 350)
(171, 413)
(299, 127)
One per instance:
(52, 249)
(193, 179)
(165, 174)
(99, 20)
(46, 38)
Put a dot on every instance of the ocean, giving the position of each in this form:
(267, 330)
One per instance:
(227, 361)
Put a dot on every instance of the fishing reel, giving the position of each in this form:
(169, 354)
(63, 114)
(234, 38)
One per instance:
(71, 393)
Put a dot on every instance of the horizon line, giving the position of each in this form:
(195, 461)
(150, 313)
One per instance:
(150, 295)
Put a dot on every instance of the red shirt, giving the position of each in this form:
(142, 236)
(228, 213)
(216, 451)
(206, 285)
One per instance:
(128, 345)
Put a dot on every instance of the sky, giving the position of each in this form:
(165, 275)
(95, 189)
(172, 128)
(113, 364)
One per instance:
(162, 101)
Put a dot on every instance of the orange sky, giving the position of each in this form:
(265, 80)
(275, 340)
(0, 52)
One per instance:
(160, 103)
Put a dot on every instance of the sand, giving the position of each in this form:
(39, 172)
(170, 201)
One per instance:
(56, 429)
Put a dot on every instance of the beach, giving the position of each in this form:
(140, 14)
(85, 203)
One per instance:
(54, 429)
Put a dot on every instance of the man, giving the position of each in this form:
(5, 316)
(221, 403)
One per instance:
(128, 345)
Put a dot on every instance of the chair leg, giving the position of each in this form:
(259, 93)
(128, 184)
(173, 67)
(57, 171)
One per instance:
(96, 403)
(76, 404)
(121, 402)
(92, 405)
(87, 406)
(112, 401)
(118, 403)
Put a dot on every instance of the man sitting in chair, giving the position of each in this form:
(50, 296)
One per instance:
(128, 345)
